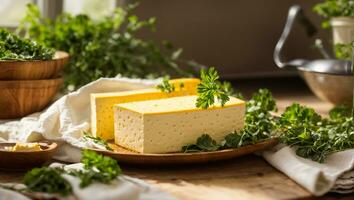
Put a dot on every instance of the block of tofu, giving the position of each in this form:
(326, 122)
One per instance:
(166, 125)
(102, 123)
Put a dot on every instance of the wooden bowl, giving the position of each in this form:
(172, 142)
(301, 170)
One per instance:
(20, 98)
(24, 160)
(34, 69)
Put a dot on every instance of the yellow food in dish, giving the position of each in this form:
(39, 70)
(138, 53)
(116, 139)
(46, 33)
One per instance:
(26, 147)
(102, 121)
(166, 125)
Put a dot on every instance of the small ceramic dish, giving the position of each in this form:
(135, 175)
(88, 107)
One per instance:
(24, 160)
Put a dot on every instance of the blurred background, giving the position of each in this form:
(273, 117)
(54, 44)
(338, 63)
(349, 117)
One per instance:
(237, 36)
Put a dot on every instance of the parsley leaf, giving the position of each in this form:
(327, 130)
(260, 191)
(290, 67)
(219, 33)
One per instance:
(48, 180)
(315, 137)
(203, 143)
(209, 89)
(166, 86)
(97, 168)
(97, 140)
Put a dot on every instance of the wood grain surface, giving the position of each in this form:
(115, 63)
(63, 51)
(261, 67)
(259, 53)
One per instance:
(24, 160)
(35, 69)
(19, 98)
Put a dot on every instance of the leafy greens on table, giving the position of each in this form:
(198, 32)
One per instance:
(104, 48)
(12, 47)
(97, 168)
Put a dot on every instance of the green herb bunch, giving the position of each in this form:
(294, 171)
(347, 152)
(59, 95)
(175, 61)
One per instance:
(315, 137)
(12, 47)
(97, 140)
(104, 48)
(259, 125)
(48, 180)
(210, 88)
(343, 51)
(166, 86)
(334, 8)
(97, 168)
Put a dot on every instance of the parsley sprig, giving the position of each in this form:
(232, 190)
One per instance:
(166, 86)
(97, 140)
(48, 180)
(210, 88)
(97, 168)
(315, 137)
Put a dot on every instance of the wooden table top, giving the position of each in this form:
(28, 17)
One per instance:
(246, 178)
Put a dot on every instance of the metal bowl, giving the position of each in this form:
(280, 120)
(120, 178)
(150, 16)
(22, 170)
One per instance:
(334, 88)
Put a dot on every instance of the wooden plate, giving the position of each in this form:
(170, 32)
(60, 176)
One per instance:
(126, 156)
(33, 69)
(24, 160)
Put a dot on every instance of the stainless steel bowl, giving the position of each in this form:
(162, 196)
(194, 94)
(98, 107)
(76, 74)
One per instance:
(336, 89)
(331, 80)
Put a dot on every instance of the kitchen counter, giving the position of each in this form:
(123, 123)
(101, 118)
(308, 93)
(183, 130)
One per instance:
(247, 177)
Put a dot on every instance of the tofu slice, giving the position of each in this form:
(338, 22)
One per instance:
(166, 125)
(102, 122)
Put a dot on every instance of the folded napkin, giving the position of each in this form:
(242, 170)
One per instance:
(123, 188)
(335, 174)
(66, 119)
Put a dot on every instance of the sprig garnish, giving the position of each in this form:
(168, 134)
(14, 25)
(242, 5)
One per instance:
(97, 168)
(166, 86)
(97, 140)
(209, 89)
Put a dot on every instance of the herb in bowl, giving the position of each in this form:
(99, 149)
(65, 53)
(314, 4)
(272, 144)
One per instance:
(12, 47)
(334, 8)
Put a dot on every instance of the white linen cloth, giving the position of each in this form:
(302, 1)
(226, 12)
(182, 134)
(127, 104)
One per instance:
(319, 178)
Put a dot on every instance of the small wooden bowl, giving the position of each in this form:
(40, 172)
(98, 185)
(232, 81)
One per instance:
(24, 160)
(20, 98)
(33, 69)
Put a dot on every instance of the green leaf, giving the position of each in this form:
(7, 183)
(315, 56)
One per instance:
(166, 86)
(97, 140)
(210, 89)
(47, 180)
